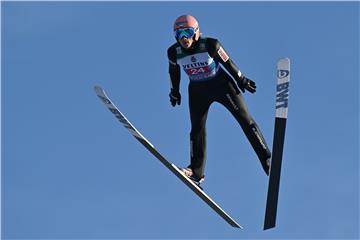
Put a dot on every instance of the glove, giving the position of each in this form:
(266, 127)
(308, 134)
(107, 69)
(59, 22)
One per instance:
(175, 97)
(246, 83)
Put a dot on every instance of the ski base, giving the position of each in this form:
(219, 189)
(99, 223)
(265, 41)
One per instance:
(282, 94)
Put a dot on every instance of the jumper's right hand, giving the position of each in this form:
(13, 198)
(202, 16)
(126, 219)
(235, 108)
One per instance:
(175, 97)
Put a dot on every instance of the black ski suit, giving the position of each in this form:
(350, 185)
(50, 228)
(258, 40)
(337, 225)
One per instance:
(210, 83)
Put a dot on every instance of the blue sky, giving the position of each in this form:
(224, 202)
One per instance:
(70, 170)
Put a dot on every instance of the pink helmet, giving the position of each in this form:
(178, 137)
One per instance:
(188, 21)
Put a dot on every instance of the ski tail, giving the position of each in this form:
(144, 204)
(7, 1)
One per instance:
(282, 97)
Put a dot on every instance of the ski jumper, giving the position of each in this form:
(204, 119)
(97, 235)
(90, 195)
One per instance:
(210, 83)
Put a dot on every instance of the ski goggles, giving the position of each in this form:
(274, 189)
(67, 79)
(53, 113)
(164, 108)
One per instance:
(184, 32)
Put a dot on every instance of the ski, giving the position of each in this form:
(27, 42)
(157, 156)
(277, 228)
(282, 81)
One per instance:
(282, 95)
(174, 169)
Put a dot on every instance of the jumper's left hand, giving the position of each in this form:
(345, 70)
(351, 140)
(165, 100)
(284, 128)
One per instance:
(250, 85)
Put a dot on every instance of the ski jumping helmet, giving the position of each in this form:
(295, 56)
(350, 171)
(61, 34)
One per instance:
(186, 26)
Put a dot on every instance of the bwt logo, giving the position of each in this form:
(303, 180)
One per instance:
(120, 117)
(282, 90)
(282, 95)
(105, 100)
(123, 120)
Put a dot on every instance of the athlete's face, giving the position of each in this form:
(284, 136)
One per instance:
(186, 42)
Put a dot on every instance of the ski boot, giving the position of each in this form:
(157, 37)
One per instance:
(189, 173)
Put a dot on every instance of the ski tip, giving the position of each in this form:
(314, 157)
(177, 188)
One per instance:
(284, 60)
(97, 88)
(99, 91)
